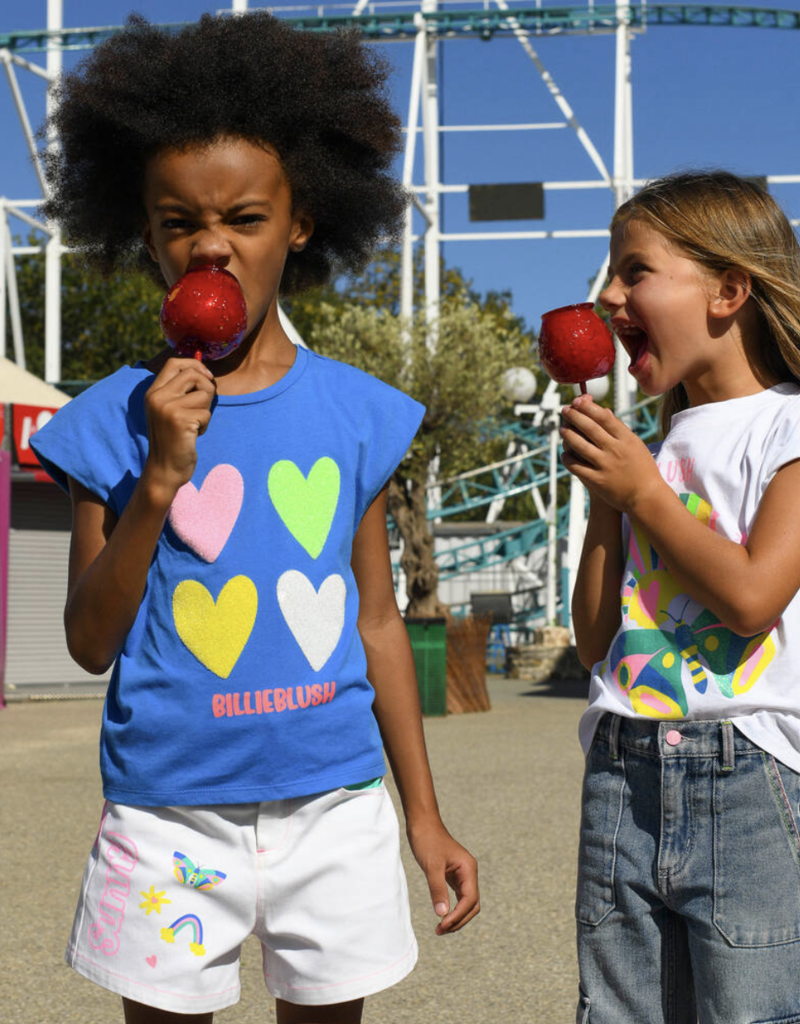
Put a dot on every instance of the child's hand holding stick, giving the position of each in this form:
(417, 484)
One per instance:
(178, 410)
(607, 456)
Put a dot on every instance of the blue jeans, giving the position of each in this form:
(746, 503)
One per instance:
(688, 902)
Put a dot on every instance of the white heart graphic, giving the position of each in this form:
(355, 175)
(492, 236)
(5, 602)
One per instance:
(316, 618)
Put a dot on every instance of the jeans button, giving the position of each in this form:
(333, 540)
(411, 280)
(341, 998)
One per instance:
(673, 737)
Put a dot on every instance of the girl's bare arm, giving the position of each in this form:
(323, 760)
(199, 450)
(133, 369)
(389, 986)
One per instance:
(747, 586)
(110, 558)
(390, 669)
(596, 614)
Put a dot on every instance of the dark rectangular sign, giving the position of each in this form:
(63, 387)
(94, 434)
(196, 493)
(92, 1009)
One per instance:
(523, 201)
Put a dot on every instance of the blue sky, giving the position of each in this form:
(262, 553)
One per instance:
(702, 97)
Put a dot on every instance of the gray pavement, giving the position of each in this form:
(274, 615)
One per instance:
(508, 783)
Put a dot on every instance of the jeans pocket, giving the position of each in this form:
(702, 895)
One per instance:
(601, 813)
(757, 853)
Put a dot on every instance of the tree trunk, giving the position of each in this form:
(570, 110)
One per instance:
(408, 508)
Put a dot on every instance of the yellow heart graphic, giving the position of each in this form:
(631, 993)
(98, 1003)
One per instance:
(215, 633)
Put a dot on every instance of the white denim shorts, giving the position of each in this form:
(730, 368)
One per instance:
(170, 893)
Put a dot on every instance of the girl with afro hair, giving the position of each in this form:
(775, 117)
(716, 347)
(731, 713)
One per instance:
(229, 552)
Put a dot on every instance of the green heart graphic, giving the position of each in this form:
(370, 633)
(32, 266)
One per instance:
(306, 505)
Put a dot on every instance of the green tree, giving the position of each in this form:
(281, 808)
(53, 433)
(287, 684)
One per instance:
(379, 286)
(105, 322)
(457, 378)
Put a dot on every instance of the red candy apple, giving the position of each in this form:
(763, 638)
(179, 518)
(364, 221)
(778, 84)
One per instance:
(575, 345)
(204, 313)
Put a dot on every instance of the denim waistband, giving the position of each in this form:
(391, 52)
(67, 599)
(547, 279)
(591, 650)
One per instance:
(683, 738)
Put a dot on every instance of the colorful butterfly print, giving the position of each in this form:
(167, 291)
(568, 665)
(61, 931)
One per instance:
(647, 663)
(188, 873)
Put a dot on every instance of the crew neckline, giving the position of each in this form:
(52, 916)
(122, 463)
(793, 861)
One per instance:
(294, 372)
(291, 376)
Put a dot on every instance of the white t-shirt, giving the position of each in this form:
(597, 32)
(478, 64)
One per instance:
(672, 658)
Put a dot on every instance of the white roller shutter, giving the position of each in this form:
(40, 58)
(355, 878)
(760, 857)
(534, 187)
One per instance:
(37, 659)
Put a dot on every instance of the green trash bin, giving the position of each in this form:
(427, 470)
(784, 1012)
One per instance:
(429, 643)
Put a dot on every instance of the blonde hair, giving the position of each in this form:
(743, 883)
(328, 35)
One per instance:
(724, 222)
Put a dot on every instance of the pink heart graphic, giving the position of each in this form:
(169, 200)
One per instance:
(204, 519)
(151, 960)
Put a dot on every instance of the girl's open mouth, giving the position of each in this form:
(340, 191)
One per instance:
(634, 340)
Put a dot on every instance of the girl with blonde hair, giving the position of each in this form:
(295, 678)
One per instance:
(686, 611)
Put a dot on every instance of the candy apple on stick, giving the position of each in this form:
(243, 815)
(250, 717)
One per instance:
(204, 313)
(575, 345)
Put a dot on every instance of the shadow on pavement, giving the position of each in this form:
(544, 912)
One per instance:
(574, 688)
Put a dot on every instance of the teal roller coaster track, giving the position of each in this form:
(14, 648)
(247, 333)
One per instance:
(518, 474)
(377, 25)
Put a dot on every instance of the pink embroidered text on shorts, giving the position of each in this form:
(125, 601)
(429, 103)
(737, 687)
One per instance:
(122, 857)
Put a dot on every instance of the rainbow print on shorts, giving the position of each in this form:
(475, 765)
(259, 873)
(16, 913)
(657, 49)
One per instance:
(191, 921)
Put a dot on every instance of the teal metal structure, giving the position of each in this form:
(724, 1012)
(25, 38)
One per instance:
(529, 469)
(473, 491)
(386, 25)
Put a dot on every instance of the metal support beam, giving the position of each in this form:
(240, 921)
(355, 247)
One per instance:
(52, 285)
(12, 294)
(19, 103)
(552, 517)
(560, 100)
(623, 111)
(599, 281)
(430, 124)
(28, 65)
(623, 174)
(575, 537)
(407, 253)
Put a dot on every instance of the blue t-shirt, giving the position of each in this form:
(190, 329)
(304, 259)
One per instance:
(243, 677)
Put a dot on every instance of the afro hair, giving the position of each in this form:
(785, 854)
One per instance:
(318, 100)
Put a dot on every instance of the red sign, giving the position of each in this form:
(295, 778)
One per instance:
(26, 420)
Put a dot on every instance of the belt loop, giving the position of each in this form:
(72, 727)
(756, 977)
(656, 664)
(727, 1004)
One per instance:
(728, 751)
(613, 737)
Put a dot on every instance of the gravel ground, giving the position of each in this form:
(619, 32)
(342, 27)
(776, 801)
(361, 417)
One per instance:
(508, 783)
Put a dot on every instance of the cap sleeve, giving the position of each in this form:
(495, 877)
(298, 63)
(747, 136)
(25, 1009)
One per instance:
(391, 420)
(99, 438)
(783, 444)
